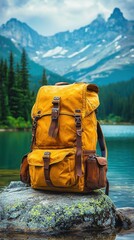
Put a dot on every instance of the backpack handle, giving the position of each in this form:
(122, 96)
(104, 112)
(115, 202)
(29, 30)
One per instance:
(61, 83)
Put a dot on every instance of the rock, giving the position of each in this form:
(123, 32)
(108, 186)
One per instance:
(125, 217)
(25, 210)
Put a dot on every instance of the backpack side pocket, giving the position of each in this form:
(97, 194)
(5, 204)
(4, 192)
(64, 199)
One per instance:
(24, 170)
(96, 169)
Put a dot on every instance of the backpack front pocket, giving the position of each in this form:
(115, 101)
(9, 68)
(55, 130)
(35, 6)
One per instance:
(52, 168)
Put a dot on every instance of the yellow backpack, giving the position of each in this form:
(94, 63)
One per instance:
(64, 138)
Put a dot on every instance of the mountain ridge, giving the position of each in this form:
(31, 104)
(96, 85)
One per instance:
(102, 49)
(35, 70)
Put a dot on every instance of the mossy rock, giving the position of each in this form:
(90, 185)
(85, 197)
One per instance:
(25, 210)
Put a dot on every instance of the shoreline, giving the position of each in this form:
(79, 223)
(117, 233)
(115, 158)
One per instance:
(15, 129)
(30, 128)
(115, 123)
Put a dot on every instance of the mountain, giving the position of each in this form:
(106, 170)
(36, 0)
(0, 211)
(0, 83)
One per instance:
(101, 52)
(35, 70)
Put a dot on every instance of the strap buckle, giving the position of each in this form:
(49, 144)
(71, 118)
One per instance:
(55, 113)
(46, 155)
(55, 109)
(54, 126)
(78, 120)
(56, 100)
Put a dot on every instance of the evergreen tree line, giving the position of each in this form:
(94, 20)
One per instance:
(117, 102)
(16, 98)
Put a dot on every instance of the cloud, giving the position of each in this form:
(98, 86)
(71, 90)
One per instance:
(51, 16)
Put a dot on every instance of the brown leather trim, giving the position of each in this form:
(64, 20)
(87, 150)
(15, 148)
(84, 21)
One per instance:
(101, 161)
(61, 83)
(53, 130)
(46, 159)
(92, 87)
(54, 126)
(78, 156)
(88, 152)
(24, 170)
(34, 126)
(101, 177)
(103, 148)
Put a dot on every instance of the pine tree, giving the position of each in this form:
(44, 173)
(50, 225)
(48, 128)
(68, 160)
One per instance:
(14, 93)
(24, 85)
(4, 110)
(11, 84)
(24, 71)
(44, 78)
(1, 66)
(131, 105)
(19, 91)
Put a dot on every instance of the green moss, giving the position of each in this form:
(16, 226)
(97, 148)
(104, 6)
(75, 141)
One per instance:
(36, 211)
(15, 207)
(49, 218)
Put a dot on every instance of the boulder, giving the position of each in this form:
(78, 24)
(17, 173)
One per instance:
(25, 210)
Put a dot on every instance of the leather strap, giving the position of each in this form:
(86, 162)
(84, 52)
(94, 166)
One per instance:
(46, 159)
(53, 129)
(78, 155)
(103, 148)
(34, 126)
(88, 152)
(107, 188)
(101, 141)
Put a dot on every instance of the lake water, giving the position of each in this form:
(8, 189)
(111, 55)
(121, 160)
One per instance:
(120, 144)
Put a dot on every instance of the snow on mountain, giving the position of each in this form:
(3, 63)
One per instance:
(55, 51)
(80, 51)
(100, 51)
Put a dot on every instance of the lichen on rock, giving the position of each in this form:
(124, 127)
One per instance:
(27, 210)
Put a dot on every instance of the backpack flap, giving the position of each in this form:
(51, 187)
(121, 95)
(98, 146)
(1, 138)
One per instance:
(54, 114)
(53, 168)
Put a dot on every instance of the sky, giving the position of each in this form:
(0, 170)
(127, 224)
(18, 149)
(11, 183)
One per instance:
(48, 17)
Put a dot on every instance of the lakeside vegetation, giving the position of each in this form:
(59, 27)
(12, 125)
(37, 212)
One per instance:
(17, 98)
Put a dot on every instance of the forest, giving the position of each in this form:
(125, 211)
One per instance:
(117, 102)
(17, 97)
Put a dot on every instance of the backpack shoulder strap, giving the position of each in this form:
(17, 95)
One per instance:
(101, 141)
(103, 148)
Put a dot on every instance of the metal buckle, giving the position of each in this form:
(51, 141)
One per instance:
(55, 113)
(92, 157)
(78, 121)
(79, 132)
(47, 154)
(56, 100)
